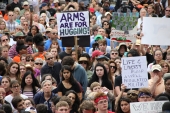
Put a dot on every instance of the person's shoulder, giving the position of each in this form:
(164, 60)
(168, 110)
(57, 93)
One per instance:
(24, 96)
(7, 97)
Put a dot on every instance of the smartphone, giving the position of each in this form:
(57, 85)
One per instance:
(31, 8)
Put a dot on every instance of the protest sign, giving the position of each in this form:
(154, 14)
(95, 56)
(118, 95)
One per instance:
(73, 24)
(156, 31)
(124, 36)
(134, 72)
(146, 107)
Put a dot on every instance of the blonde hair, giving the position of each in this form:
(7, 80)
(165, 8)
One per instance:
(61, 104)
(94, 84)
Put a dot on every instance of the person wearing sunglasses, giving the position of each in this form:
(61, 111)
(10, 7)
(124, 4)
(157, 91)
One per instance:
(113, 54)
(51, 67)
(84, 62)
(167, 12)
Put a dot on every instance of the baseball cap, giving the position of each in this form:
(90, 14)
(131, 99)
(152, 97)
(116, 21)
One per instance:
(156, 67)
(25, 3)
(96, 53)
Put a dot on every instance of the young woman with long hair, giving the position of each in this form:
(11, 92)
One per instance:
(5, 82)
(14, 71)
(29, 85)
(75, 100)
(68, 82)
(123, 105)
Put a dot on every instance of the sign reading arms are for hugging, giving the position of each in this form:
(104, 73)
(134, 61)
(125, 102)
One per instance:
(73, 24)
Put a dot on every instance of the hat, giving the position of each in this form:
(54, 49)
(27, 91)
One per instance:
(5, 31)
(138, 42)
(25, 3)
(102, 57)
(108, 13)
(43, 5)
(98, 37)
(83, 59)
(121, 44)
(29, 67)
(48, 29)
(156, 67)
(91, 10)
(111, 8)
(18, 34)
(96, 53)
(55, 1)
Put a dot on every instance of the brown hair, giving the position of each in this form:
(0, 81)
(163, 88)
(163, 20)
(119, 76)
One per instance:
(100, 94)
(94, 84)
(56, 42)
(61, 103)
(103, 41)
(87, 105)
(18, 72)
(162, 63)
(66, 99)
(144, 90)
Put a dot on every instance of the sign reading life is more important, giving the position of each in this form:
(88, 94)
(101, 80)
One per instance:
(146, 107)
(73, 23)
(156, 31)
(134, 72)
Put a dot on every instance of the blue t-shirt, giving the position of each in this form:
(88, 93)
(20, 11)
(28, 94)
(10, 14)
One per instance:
(48, 43)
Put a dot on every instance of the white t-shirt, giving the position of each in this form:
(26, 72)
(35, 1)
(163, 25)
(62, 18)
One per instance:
(10, 97)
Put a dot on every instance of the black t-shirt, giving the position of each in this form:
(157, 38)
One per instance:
(74, 87)
(63, 54)
(118, 82)
(149, 58)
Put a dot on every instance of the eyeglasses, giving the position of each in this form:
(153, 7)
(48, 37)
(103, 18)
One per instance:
(113, 67)
(39, 63)
(32, 60)
(114, 53)
(15, 86)
(4, 40)
(83, 62)
(25, 5)
(55, 33)
(50, 58)
(168, 10)
(10, 15)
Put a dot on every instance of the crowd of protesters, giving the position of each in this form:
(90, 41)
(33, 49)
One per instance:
(39, 75)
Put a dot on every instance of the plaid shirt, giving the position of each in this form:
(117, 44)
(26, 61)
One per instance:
(11, 26)
(12, 51)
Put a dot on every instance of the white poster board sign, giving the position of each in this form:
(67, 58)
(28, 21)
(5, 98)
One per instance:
(156, 31)
(73, 24)
(146, 107)
(134, 72)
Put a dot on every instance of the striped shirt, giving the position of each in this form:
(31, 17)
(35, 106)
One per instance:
(11, 26)
(12, 51)
(30, 94)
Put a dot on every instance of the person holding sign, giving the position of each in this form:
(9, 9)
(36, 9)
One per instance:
(156, 83)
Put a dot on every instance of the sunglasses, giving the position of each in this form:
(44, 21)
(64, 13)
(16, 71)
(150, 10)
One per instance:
(10, 15)
(114, 53)
(39, 63)
(50, 58)
(25, 5)
(133, 94)
(4, 40)
(168, 10)
(30, 60)
(113, 67)
(83, 62)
